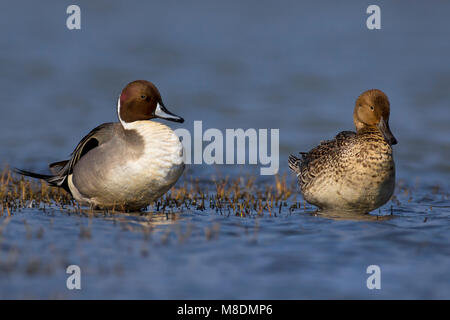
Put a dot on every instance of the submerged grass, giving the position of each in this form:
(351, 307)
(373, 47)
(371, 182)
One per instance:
(240, 197)
(17, 193)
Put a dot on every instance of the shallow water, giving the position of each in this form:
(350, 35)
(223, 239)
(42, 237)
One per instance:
(203, 254)
(259, 64)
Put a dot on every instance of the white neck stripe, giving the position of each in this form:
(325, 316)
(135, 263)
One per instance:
(126, 125)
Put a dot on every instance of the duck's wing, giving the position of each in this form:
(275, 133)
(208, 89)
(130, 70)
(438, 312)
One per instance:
(327, 146)
(308, 166)
(92, 140)
(61, 169)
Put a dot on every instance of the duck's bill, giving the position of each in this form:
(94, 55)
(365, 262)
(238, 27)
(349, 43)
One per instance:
(386, 131)
(163, 113)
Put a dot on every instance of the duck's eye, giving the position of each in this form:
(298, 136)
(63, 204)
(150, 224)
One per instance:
(143, 97)
(372, 108)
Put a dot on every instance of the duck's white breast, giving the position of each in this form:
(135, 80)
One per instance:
(159, 165)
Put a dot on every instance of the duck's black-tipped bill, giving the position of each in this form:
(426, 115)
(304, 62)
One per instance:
(162, 113)
(386, 131)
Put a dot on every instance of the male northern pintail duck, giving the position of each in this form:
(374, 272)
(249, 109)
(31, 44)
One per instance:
(127, 164)
(354, 172)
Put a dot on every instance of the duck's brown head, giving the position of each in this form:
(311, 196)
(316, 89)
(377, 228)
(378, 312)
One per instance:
(141, 100)
(372, 110)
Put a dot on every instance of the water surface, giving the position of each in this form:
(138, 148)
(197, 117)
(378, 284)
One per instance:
(289, 65)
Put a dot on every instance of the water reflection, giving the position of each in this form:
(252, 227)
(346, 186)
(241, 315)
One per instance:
(350, 216)
(137, 221)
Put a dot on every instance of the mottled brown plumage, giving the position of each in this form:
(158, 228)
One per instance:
(354, 172)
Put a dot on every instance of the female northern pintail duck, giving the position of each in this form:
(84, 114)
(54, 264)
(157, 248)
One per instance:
(127, 164)
(354, 172)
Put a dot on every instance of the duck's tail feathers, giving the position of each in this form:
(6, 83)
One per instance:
(32, 174)
(294, 164)
(53, 180)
